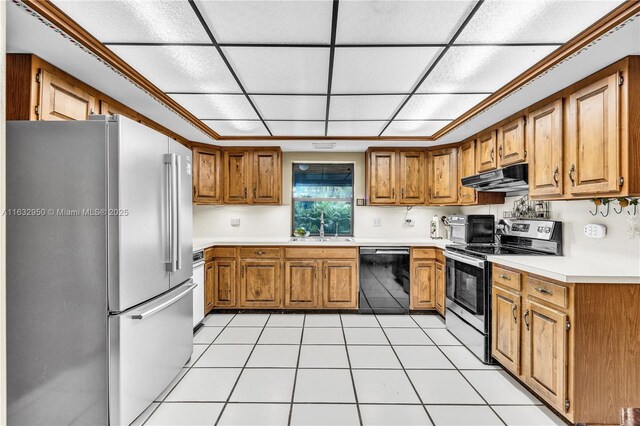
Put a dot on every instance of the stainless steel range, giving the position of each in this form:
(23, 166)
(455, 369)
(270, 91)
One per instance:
(468, 276)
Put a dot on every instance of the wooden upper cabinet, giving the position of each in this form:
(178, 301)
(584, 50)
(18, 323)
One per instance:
(382, 177)
(207, 173)
(422, 293)
(443, 176)
(260, 283)
(301, 283)
(486, 152)
(467, 167)
(236, 176)
(505, 342)
(412, 177)
(545, 140)
(224, 283)
(61, 100)
(593, 150)
(340, 284)
(511, 143)
(266, 176)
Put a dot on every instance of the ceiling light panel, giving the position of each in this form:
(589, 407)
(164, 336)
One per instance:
(355, 128)
(414, 128)
(268, 21)
(291, 107)
(280, 69)
(438, 107)
(238, 128)
(395, 22)
(373, 107)
(533, 21)
(180, 68)
(481, 68)
(218, 107)
(136, 21)
(380, 69)
(296, 128)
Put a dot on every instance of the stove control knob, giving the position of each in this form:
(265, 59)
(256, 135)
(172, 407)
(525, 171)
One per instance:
(547, 230)
(540, 229)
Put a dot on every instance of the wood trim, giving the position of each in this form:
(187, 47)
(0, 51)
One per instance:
(326, 138)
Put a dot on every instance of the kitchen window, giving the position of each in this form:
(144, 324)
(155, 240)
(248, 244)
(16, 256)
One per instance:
(323, 187)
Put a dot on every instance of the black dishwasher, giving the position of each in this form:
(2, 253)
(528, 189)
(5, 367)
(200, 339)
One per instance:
(384, 280)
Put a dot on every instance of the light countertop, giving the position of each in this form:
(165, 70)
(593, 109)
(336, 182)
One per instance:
(201, 243)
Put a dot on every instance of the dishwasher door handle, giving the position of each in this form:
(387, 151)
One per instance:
(392, 252)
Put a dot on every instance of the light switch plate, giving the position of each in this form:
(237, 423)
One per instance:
(235, 222)
(377, 222)
(595, 230)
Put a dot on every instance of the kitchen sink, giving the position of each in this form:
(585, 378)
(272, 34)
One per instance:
(323, 239)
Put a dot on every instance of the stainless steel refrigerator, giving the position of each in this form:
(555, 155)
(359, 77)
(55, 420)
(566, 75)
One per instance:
(99, 266)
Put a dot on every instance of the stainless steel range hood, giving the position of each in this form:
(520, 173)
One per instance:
(511, 180)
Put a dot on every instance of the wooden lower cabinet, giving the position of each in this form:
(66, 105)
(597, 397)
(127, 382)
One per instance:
(423, 277)
(301, 283)
(505, 328)
(340, 284)
(208, 287)
(440, 288)
(224, 283)
(260, 282)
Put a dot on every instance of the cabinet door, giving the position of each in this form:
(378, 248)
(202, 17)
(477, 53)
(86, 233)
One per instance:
(260, 283)
(236, 176)
(60, 100)
(422, 289)
(440, 288)
(505, 326)
(301, 284)
(511, 143)
(382, 177)
(267, 177)
(412, 177)
(593, 145)
(224, 282)
(467, 167)
(546, 353)
(206, 176)
(443, 176)
(544, 136)
(340, 284)
(487, 159)
(208, 287)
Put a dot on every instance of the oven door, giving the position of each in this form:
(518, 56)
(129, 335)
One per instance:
(466, 283)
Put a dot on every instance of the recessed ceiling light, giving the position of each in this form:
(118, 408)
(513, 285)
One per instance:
(323, 145)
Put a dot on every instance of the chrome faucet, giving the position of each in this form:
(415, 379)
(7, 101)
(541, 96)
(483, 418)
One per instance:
(322, 224)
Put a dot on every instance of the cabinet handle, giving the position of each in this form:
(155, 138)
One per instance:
(491, 154)
(544, 291)
(572, 169)
(402, 192)
(505, 277)
(255, 191)
(513, 311)
(244, 268)
(259, 252)
(245, 192)
(393, 193)
(555, 175)
(500, 151)
(325, 272)
(526, 322)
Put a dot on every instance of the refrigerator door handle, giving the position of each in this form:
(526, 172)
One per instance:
(165, 304)
(170, 159)
(177, 198)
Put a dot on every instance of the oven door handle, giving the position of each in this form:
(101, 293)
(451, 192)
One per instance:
(468, 260)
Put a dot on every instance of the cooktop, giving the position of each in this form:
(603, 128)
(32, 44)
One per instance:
(482, 250)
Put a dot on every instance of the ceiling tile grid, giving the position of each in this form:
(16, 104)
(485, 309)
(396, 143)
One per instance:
(237, 127)
(287, 107)
(217, 107)
(374, 107)
(354, 128)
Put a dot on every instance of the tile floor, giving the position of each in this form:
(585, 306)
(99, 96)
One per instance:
(326, 369)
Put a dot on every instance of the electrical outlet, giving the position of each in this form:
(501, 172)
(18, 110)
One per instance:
(595, 230)
(377, 222)
(235, 222)
(409, 223)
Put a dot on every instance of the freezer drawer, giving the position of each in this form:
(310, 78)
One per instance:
(148, 346)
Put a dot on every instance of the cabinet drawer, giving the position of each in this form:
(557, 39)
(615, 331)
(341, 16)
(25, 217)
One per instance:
(507, 278)
(311, 253)
(208, 254)
(423, 253)
(544, 290)
(260, 252)
(220, 252)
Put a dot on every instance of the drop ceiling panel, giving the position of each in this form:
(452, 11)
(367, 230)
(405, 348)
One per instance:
(481, 68)
(355, 128)
(218, 107)
(180, 68)
(395, 22)
(374, 107)
(438, 107)
(414, 128)
(291, 107)
(533, 21)
(380, 69)
(238, 128)
(280, 69)
(136, 21)
(296, 128)
(268, 21)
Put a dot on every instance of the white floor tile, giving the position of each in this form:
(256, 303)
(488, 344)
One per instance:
(355, 320)
(286, 320)
(394, 415)
(324, 386)
(197, 351)
(322, 320)
(373, 357)
(322, 336)
(442, 337)
(429, 321)
(249, 320)
(205, 384)
(497, 387)
(173, 383)
(139, 421)
(217, 319)
(324, 414)
(268, 385)
(527, 415)
(407, 336)
(280, 336)
(365, 336)
(396, 321)
(238, 335)
(206, 335)
(464, 359)
(422, 357)
(274, 356)
(225, 356)
(255, 415)
(443, 387)
(461, 415)
(323, 356)
(383, 386)
(193, 413)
